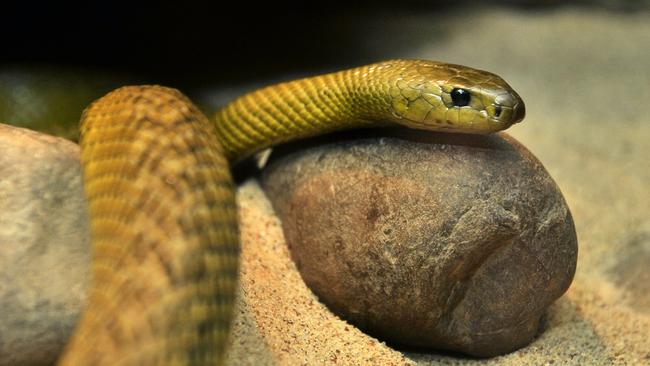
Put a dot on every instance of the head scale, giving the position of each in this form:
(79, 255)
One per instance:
(453, 98)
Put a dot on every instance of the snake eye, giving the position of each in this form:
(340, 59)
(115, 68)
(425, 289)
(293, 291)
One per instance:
(460, 97)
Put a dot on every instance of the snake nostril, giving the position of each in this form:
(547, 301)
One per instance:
(497, 110)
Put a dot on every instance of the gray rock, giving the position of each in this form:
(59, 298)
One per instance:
(44, 245)
(429, 240)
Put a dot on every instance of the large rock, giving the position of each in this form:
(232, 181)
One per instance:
(442, 241)
(44, 246)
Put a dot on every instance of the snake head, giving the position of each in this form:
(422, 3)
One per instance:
(453, 98)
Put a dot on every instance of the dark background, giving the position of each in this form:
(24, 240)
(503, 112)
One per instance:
(185, 43)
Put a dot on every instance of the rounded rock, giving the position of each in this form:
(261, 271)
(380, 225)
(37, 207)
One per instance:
(44, 245)
(454, 242)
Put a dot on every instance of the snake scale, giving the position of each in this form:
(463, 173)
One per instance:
(162, 201)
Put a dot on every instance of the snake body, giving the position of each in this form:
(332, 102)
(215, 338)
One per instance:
(162, 202)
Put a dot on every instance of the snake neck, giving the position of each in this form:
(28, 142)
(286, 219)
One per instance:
(293, 110)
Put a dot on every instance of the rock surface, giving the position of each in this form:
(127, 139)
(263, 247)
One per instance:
(429, 240)
(44, 247)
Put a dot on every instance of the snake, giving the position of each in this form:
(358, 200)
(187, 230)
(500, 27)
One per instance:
(157, 179)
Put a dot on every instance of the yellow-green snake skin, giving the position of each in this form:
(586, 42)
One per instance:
(162, 202)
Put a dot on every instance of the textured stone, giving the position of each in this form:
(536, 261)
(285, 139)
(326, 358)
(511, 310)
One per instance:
(44, 248)
(430, 240)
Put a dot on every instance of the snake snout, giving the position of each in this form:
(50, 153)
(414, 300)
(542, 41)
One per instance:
(518, 112)
(508, 108)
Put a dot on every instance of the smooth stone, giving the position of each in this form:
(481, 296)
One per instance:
(451, 242)
(44, 246)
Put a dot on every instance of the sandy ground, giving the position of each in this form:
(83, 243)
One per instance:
(584, 76)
